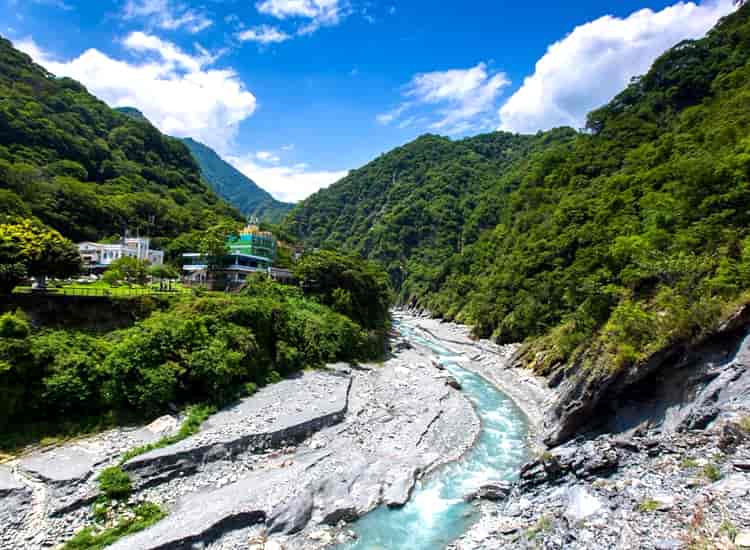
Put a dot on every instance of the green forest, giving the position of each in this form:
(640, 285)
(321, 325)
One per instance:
(208, 348)
(621, 239)
(87, 170)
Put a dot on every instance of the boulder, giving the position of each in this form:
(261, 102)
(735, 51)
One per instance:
(291, 516)
(491, 491)
(453, 383)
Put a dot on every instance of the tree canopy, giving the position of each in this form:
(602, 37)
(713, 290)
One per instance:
(87, 170)
(27, 248)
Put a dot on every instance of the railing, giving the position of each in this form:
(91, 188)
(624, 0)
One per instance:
(102, 292)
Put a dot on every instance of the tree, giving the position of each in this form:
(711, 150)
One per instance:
(213, 243)
(28, 248)
(163, 272)
(352, 286)
(128, 269)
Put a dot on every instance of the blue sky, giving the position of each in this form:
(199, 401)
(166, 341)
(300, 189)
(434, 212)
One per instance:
(297, 92)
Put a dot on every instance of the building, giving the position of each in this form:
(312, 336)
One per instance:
(99, 256)
(252, 251)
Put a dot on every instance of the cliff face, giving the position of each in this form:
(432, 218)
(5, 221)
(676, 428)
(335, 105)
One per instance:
(678, 388)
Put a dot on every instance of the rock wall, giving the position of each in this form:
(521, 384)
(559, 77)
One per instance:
(99, 313)
(680, 387)
(161, 465)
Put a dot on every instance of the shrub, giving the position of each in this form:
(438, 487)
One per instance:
(114, 484)
(712, 472)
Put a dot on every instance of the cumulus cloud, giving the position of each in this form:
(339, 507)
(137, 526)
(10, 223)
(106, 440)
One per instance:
(166, 15)
(594, 62)
(286, 183)
(317, 13)
(263, 34)
(177, 91)
(462, 99)
(268, 156)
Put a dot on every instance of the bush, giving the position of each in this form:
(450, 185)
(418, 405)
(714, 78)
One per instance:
(114, 484)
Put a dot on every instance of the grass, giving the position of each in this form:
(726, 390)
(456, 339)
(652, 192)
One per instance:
(745, 423)
(144, 516)
(543, 524)
(114, 484)
(711, 472)
(689, 463)
(102, 288)
(648, 505)
(196, 415)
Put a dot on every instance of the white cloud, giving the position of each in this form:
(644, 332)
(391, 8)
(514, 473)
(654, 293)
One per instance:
(319, 13)
(264, 34)
(597, 60)
(167, 15)
(390, 116)
(268, 156)
(175, 90)
(286, 183)
(463, 99)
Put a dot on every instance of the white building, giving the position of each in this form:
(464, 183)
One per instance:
(100, 255)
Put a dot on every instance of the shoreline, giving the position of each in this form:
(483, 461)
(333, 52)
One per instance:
(493, 363)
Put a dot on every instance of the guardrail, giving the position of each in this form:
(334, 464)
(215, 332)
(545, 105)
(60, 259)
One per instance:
(114, 292)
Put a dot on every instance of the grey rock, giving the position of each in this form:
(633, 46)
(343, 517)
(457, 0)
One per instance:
(581, 505)
(399, 487)
(291, 516)
(205, 516)
(453, 383)
(492, 491)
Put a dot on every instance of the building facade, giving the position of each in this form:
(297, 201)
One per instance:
(252, 251)
(99, 256)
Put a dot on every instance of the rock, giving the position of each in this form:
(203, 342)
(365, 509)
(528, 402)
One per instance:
(492, 491)
(581, 505)
(292, 516)
(209, 514)
(732, 435)
(399, 488)
(453, 383)
(735, 486)
(668, 544)
(742, 540)
(321, 535)
(663, 502)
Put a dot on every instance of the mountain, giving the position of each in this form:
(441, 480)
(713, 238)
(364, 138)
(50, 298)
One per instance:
(598, 247)
(231, 184)
(88, 170)
(235, 186)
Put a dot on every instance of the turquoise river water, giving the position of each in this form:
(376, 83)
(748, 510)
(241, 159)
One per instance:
(437, 514)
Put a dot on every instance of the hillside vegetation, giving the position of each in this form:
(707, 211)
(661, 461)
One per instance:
(622, 239)
(234, 186)
(86, 170)
(208, 348)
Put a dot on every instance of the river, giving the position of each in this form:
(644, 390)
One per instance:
(436, 515)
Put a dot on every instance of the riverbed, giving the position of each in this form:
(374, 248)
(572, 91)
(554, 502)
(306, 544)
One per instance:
(438, 512)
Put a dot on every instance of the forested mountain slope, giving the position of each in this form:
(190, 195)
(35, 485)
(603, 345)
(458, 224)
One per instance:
(87, 170)
(623, 239)
(236, 187)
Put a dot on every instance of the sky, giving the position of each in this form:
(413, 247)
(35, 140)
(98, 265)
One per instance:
(295, 93)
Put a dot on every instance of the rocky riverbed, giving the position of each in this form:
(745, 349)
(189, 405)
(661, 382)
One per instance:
(289, 466)
(678, 477)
